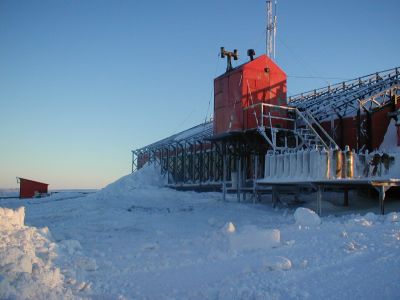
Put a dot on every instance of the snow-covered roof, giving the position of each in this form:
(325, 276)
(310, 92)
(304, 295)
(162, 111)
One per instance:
(346, 98)
(196, 133)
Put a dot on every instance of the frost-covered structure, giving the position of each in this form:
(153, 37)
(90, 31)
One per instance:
(348, 132)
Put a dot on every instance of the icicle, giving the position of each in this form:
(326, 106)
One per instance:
(293, 164)
(279, 166)
(325, 164)
(299, 161)
(286, 165)
(272, 161)
(267, 166)
(314, 157)
(306, 164)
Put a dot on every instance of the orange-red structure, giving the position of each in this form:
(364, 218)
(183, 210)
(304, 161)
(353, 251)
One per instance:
(30, 188)
(257, 81)
(362, 131)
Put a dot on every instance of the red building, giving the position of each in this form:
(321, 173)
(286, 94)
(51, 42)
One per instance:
(29, 188)
(257, 81)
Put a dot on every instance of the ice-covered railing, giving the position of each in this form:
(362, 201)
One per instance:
(307, 131)
(346, 98)
(199, 132)
(345, 85)
(308, 165)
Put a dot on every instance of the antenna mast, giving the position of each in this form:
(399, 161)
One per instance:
(271, 29)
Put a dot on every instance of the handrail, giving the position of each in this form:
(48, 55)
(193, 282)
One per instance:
(298, 113)
(370, 78)
(322, 129)
(269, 105)
(312, 128)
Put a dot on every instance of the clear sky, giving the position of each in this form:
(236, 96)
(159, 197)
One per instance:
(84, 82)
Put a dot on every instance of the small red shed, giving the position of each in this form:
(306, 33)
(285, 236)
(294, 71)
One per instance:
(30, 188)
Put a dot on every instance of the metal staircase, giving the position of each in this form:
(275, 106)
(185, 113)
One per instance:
(302, 130)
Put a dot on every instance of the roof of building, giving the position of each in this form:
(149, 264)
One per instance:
(196, 133)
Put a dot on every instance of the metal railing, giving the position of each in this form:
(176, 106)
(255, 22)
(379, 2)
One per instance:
(267, 118)
(343, 99)
(345, 85)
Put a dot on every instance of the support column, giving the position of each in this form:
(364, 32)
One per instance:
(224, 176)
(341, 133)
(346, 197)
(319, 200)
(359, 141)
(238, 177)
(243, 176)
(382, 193)
(275, 195)
(255, 177)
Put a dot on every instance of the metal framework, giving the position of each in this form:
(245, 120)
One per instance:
(271, 29)
(347, 98)
(301, 130)
(235, 161)
(194, 159)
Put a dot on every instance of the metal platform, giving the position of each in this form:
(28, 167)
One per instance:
(381, 185)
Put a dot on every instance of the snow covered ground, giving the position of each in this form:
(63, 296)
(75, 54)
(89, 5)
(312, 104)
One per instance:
(138, 240)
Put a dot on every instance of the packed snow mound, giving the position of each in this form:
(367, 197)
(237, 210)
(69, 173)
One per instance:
(306, 217)
(277, 263)
(27, 254)
(393, 217)
(371, 217)
(252, 238)
(149, 176)
(10, 218)
(229, 228)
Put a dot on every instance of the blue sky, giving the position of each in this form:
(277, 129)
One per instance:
(84, 82)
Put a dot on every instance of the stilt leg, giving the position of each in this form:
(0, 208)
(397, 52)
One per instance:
(224, 178)
(382, 192)
(238, 173)
(274, 192)
(319, 200)
(346, 197)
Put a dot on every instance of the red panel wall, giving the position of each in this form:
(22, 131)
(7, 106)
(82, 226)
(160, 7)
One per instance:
(28, 188)
(228, 97)
(257, 81)
(380, 123)
(351, 135)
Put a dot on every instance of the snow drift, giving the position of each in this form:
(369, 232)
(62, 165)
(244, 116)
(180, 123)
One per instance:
(147, 177)
(144, 241)
(252, 238)
(27, 255)
(306, 217)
